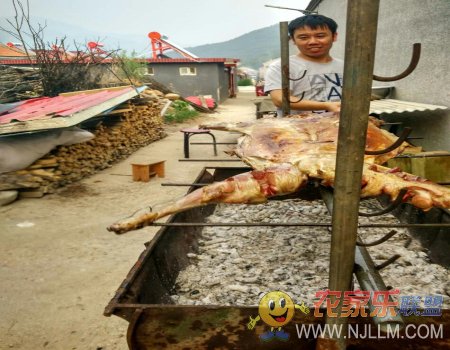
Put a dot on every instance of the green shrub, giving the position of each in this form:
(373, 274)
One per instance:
(179, 111)
(130, 67)
(245, 82)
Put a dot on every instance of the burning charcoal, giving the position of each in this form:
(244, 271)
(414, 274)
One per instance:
(292, 259)
(238, 261)
(213, 282)
(238, 288)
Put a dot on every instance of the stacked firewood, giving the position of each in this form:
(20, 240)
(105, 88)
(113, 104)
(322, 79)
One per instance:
(129, 127)
(19, 84)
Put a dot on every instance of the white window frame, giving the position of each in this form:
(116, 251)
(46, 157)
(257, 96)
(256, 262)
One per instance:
(149, 71)
(188, 71)
(146, 70)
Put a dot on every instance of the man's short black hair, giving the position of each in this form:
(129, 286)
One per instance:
(312, 21)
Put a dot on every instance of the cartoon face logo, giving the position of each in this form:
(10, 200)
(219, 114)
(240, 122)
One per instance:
(276, 309)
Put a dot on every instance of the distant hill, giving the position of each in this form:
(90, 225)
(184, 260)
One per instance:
(81, 35)
(253, 48)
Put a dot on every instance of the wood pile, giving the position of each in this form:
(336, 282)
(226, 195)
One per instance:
(18, 84)
(130, 126)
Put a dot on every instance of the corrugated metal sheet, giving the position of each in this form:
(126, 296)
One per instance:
(9, 61)
(389, 106)
(187, 60)
(11, 52)
(62, 111)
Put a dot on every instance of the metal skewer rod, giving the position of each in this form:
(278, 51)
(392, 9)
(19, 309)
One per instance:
(422, 156)
(284, 48)
(290, 224)
(185, 184)
(212, 143)
(243, 168)
(361, 32)
(306, 12)
(208, 160)
(369, 279)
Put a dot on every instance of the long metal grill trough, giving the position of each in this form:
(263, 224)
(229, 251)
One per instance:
(211, 311)
(147, 296)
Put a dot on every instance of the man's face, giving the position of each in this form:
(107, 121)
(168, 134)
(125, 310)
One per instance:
(314, 43)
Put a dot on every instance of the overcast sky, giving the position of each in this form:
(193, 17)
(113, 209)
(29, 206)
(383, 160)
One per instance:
(185, 22)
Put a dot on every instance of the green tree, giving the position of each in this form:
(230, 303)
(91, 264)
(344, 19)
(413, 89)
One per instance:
(131, 67)
(245, 82)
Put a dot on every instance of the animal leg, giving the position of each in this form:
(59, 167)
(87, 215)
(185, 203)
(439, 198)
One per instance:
(421, 193)
(248, 188)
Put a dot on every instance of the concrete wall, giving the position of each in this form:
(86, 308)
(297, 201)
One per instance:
(222, 88)
(400, 24)
(210, 79)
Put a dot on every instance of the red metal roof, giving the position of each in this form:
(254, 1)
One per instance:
(49, 107)
(149, 60)
(227, 61)
(182, 60)
(6, 51)
(17, 61)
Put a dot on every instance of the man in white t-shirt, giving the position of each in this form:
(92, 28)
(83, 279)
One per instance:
(321, 85)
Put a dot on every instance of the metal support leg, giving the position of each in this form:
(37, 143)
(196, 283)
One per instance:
(186, 144)
(187, 136)
(214, 143)
(369, 279)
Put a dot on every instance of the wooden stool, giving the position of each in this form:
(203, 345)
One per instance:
(143, 172)
(190, 132)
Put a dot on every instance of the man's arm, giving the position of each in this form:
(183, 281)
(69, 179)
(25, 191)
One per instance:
(305, 105)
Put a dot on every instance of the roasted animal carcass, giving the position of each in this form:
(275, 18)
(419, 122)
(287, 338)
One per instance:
(285, 153)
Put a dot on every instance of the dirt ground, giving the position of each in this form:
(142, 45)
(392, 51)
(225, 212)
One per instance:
(59, 266)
